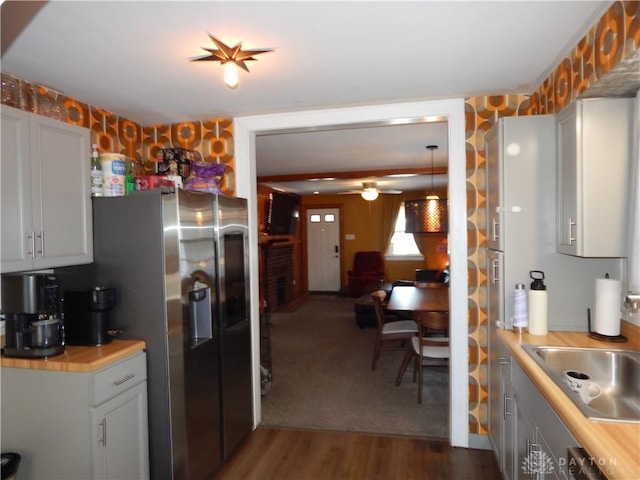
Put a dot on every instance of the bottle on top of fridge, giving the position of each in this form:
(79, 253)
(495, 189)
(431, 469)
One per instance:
(537, 304)
(129, 177)
(96, 172)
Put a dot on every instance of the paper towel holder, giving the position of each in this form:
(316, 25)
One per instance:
(600, 336)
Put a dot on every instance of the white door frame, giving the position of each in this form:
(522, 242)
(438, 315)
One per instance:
(246, 128)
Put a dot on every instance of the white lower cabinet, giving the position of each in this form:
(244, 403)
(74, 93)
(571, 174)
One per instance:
(529, 439)
(121, 448)
(78, 425)
(526, 456)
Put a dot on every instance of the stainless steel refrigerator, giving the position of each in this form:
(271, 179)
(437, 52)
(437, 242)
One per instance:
(178, 262)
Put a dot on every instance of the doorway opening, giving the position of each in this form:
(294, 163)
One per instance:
(246, 129)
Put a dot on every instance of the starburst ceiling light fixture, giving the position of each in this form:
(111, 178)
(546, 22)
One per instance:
(427, 215)
(231, 58)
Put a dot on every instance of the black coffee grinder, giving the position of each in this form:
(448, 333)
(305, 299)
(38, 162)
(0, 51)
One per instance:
(87, 316)
(32, 311)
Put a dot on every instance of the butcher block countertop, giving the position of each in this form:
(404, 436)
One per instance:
(79, 359)
(617, 444)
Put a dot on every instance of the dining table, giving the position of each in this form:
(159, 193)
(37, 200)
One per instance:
(431, 298)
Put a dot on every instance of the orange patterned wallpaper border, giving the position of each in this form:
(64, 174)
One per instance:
(213, 138)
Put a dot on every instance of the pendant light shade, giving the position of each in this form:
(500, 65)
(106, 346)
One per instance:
(427, 215)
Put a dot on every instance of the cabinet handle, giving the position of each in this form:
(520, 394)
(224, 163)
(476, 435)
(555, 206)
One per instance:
(571, 238)
(124, 379)
(103, 425)
(32, 240)
(41, 237)
(505, 410)
(495, 271)
(504, 360)
(494, 229)
(534, 452)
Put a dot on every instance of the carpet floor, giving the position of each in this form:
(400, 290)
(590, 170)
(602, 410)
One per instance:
(322, 377)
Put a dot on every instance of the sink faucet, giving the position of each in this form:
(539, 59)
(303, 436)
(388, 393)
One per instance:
(632, 303)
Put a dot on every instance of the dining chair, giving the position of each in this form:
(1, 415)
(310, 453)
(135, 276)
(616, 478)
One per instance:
(391, 334)
(429, 348)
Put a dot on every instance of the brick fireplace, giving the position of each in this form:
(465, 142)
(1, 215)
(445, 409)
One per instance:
(278, 274)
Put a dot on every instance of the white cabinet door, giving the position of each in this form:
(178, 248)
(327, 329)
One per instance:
(15, 189)
(46, 204)
(509, 448)
(60, 152)
(498, 359)
(567, 188)
(502, 409)
(121, 445)
(527, 453)
(494, 186)
(594, 163)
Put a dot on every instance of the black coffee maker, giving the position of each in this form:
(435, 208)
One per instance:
(31, 306)
(87, 316)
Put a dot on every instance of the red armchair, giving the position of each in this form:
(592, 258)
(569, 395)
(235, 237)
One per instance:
(367, 273)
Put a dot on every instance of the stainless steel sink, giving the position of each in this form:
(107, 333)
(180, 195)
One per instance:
(615, 371)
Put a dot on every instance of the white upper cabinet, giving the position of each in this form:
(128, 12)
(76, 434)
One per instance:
(44, 193)
(594, 160)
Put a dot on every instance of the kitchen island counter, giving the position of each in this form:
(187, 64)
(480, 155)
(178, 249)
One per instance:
(612, 445)
(79, 358)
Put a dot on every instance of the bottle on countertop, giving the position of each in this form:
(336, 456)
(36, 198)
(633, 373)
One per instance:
(96, 172)
(537, 304)
(520, 314)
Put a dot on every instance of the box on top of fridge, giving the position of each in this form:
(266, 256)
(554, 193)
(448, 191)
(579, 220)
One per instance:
(176, 161)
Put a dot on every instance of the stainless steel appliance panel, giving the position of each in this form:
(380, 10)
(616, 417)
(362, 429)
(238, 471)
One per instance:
(200, 348)
(233, 274)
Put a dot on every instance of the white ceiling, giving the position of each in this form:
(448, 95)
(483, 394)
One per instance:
(133, 58)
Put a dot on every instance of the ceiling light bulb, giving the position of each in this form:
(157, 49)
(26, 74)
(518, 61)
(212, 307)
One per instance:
(230, 75)
(369, 194)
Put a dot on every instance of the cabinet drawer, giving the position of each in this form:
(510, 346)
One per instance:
(113, 380)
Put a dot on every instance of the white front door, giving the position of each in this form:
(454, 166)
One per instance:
(323, 243)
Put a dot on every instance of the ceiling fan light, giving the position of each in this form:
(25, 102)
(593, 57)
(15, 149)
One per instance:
(231, 78)
(369, 194)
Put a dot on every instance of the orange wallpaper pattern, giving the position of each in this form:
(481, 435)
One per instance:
(213, 138)
(609, 42)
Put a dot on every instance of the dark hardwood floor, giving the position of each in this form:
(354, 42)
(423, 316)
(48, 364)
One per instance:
(271, 453)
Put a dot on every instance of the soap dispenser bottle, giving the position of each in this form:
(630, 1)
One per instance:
(537, 304)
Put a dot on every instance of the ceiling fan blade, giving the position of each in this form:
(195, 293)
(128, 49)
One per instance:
(382, 192)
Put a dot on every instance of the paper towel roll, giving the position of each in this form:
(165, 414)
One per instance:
(608, 300)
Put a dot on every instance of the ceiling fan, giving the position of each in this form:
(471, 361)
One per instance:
(370, 191)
